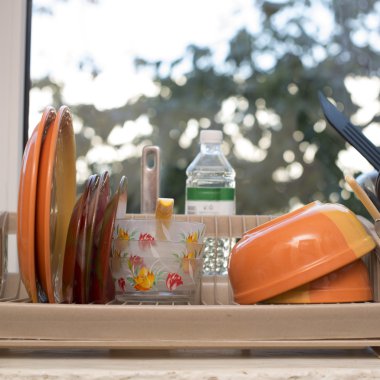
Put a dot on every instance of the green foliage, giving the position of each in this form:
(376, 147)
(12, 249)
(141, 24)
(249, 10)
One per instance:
(289, 90)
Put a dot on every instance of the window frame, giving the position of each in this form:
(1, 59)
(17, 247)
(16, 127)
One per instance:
(15, 20)
(13, 102)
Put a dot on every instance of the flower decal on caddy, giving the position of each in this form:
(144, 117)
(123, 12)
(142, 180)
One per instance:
(146, 240)
(144, 280)
(192, 237)
(188, 263)
(173, 281)
(146, 265)
(139, 276)
(125, 234)
(121, 283)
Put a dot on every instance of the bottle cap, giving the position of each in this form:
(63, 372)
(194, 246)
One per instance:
(211, 136)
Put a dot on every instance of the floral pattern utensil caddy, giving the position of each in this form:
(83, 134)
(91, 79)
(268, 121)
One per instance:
(145, 268)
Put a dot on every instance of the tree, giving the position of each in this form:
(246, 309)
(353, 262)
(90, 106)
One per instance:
(274, 114)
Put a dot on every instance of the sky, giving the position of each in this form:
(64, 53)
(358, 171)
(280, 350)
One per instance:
(110, 34)
(114, 32)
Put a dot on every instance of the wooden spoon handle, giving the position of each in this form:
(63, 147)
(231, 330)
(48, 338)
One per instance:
(363, 197)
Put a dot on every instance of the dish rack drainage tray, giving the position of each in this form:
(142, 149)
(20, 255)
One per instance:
(216, 323)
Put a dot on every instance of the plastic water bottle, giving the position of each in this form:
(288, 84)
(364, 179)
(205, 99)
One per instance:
(210, 190)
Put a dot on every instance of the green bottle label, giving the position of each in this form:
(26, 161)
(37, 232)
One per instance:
(210, 194)
(210, 201)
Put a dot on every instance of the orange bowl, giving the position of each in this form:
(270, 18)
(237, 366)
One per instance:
(294, 249)
(348, 284)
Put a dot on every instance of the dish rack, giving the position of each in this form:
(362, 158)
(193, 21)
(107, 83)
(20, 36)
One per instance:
(216, 323)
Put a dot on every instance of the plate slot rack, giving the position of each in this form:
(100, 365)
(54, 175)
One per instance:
(216, 323)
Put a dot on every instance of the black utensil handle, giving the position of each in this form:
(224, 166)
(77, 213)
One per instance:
(352, 134)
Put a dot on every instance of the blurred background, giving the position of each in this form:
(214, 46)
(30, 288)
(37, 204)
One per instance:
(157, 72)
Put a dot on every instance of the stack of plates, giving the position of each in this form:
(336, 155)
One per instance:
(64, 243)
(47, 194)
(86, 272)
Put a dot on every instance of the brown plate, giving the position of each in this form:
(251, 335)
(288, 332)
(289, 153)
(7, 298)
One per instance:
(71, 249)
(96, 215)
(79, 287)
(56, 192)
(102, 285)
(26, 208)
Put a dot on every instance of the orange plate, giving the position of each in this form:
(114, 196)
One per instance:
(26, 208)
(348, 284)
(295, 249)
(56, 191)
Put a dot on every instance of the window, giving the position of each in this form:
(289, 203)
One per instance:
(157, 72)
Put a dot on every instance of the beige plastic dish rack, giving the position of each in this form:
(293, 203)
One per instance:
(216, 323)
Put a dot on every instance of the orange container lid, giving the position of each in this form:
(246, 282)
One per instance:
(348, 284)
(294, 249)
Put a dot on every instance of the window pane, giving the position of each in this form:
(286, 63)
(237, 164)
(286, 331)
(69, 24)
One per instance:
(157, 72)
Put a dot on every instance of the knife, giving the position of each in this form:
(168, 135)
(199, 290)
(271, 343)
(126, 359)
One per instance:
(351, 133)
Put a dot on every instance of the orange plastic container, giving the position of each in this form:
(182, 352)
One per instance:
(295, 249)
(348, 284)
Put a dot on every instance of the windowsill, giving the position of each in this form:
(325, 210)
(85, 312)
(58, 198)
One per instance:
(190, 364)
